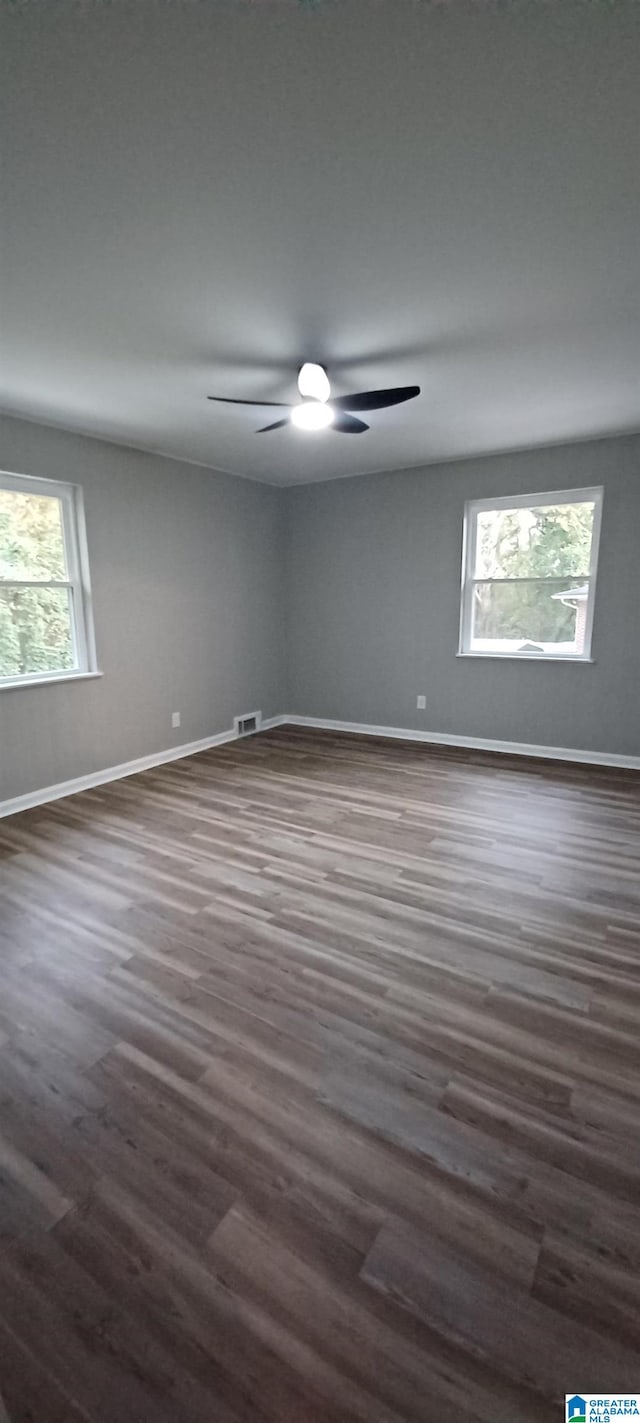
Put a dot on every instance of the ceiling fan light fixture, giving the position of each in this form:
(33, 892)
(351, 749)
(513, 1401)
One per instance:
(313, 382)
(312, 415)
(315, 413)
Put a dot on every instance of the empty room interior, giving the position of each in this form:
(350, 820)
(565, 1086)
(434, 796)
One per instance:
(320, 711)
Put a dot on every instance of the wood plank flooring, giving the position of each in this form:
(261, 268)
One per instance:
(319, 1089)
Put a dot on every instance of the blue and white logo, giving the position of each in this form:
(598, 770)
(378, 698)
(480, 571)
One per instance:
(593, 1408)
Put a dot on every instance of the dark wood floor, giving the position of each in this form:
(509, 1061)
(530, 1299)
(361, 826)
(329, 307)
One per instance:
(319, 1090)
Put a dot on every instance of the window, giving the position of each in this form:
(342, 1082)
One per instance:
(45, 616)
(528, 575)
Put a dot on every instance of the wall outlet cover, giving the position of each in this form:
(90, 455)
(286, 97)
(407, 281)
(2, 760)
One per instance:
(175, 718)
(422, 703)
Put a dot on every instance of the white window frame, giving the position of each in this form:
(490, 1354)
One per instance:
(77, 581)
(472, 509)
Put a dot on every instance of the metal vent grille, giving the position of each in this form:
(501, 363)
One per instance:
(246, 725)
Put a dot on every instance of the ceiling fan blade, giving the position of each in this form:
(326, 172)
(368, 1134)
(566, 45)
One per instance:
(226, 400)
(348, 425)
(277, 426)
(376, 399)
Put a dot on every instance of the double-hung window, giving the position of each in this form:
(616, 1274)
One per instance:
(528, 575)
(45, 612)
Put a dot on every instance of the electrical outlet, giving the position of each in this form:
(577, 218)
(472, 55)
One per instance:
(422, 703)
(175, 718)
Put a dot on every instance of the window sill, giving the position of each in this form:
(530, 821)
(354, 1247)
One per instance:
(47, 680)
(526, 657)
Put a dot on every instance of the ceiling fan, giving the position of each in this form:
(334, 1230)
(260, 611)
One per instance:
(314, 412)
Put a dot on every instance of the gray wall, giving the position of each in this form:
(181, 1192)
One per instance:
(214, 595)
(373, 578)
(186, 568)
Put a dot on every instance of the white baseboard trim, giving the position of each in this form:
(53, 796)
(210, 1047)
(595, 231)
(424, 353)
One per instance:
(127, 768)
(434, 738)
(469, 743)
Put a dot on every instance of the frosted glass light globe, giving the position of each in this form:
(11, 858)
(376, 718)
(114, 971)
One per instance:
(312, 415)
(313, 382)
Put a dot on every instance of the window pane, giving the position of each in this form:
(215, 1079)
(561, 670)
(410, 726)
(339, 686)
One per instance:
(31, 536)
(550, 541)
(36, 631)
(530, 617)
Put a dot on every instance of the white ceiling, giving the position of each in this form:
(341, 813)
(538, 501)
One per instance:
(201, 194)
